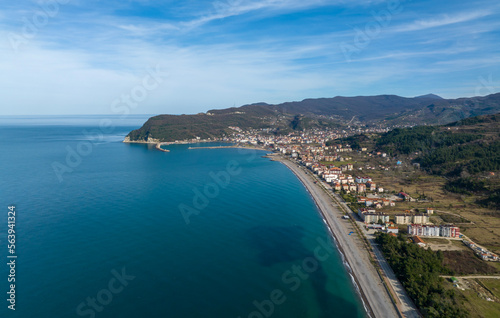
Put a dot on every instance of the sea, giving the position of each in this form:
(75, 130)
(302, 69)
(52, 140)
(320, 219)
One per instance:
(102, 228)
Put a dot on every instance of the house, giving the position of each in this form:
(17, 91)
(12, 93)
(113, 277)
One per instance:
(417, 240)
(387, 202)
(434, 230)
(371, 185)
(375, 217)
(361, 187)
(429, 211)
(361, 211)
(403, 218)
(352, 187)
(379, 227)
(362, 179)
(420, 219)
(405, 196)
(423, 230)
(335, 170)
(338, 187)
(450, 231)
(392, 229)
(372, 217)
(330, 177)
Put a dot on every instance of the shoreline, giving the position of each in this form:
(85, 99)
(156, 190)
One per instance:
(237, 146)
(365, 278)
(366, 281)
(158, 144)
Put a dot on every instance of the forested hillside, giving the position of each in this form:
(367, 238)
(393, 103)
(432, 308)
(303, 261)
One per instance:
(467, 152)
(380, 111)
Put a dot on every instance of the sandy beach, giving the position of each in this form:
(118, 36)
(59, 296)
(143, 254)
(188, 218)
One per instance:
(373, 293)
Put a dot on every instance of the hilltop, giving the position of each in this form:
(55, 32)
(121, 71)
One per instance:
(381, 110)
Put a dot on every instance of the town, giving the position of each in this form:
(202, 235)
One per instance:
(316, 150)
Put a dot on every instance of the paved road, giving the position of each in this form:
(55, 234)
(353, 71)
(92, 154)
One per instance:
(407, 306)
(374, 292)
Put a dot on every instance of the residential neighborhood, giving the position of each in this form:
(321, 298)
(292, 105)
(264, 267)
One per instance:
(332, 162)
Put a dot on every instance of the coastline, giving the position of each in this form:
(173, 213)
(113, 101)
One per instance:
(366, 280)
(158, 144)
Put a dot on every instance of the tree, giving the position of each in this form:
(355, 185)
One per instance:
(419, 271)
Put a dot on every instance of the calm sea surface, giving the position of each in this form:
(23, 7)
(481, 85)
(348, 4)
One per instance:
(107, 229)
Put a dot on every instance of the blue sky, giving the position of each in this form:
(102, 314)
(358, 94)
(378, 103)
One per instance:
(83, 56)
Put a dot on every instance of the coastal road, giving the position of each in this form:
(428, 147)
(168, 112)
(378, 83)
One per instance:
(407, 306)
(373, 291)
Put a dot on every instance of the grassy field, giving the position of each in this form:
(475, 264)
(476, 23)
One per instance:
(475, 295)
(464, 262)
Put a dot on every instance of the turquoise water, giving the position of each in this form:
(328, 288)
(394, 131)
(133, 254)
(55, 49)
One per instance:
(109, 227)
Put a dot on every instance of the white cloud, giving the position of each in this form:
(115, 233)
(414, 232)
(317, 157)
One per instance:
(200, 77)
(416, 54)
(141, 30)
(81, 63)
(442, 20)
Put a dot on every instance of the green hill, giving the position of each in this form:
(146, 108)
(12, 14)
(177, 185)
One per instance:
(466, 152)
(382, 110)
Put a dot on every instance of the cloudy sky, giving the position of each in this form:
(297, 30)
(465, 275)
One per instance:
(152, 57)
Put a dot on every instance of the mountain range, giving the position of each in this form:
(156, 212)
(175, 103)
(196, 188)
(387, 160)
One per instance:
(378, 111)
